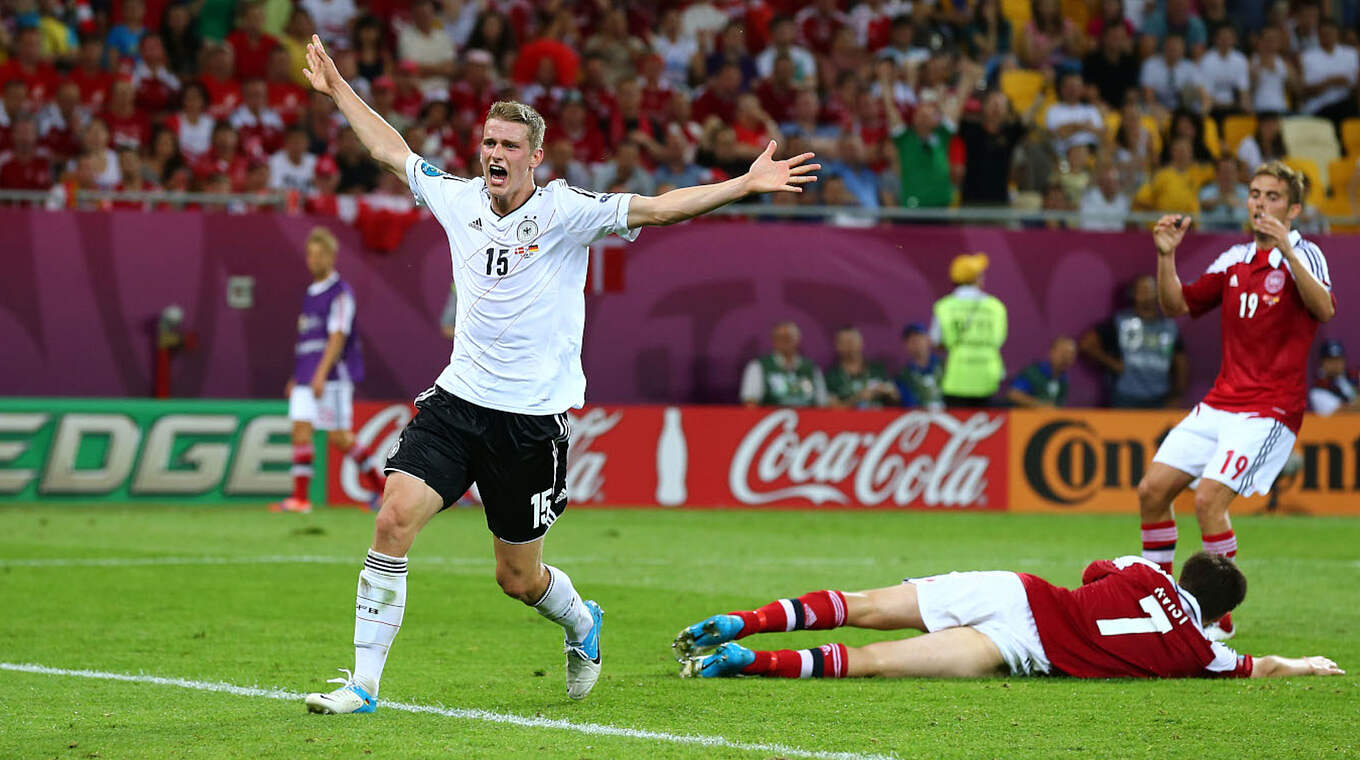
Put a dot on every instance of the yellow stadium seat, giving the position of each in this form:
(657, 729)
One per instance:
(1076, 11)
(1211, 140)
(1316, 189)
(1312, 138)
(1339, 173)
(1340, 208)
(1350, 136)
(1236, 129)
(1018, 12)
(1022, 86)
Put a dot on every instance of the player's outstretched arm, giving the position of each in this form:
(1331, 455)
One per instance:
(1274, 666)
(765, 176)
(1167, 236)
(383, 142)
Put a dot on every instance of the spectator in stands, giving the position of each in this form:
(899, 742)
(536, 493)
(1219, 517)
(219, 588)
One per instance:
(372, 56)
(853, 382)
(988, 38)
(26, 165)
(88, 74)
(179, 37)
(805, 127)
(224, 92)
(59, 41)
(250, 45)
(296, 35)
(156, 86)
(624, 172)
(779, 91)
(1175, 18)
(971, 326)
(286, 97)
(818, 24)
(1141, 352)
(551, 45)
(259, 127)
(730, 50)
(1074, 174)
(784, 41)
(130, 166)
(560, 163)
(863, 184)
(61, 122)
(587, 141)
(620, 51)
(1330, 72)
(332, 19)
(423, 41)
(128, 127)
(494, 34)
(1049, 41)
(1305, 26)
(1266, 144)
(783, 377)
(753, 127)
(1337, 388)
(476, 89)
(224, 158)
(1168, 77)
(989, 138)
(1033, 164)
(1055, 198)
(1110, 13)
(677, 48)
(719, 96)
(192, 125)
(675, 167)
(628, 121)
(1111, 70)
(357, 173)
(1223, 70)
(918, 382)
(162, 157)
(1223, 202)
(1044, 383)
(101, 162)
(1105, 206)
(1191, 126)
(292, 167)
(1175, 188)
(923, 150)
(125, 36)
(28, 66)
(1273, 75)
(902, 48)
(1071, 121)
(384, 101)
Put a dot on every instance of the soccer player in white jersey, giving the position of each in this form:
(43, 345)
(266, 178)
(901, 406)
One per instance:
(496, 416)
(1274, 291)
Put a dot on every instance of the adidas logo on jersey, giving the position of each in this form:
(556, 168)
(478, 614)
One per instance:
(476, 224)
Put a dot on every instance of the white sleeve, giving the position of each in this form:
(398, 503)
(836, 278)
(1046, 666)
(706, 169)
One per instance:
(1323, 402)
(752, 382)
(589, 216)
(433, 187)
(1225, 659)
(341, 317)
(1312, 72)
(1312, 257)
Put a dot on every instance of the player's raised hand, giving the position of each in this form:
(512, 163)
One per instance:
(321, 71)
(1169, 232)
(1273, 229)
(767, 175)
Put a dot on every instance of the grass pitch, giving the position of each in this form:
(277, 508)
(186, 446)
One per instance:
(240, 596)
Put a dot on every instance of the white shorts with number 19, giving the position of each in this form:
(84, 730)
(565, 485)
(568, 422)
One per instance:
(1241, 450)
(333, 411)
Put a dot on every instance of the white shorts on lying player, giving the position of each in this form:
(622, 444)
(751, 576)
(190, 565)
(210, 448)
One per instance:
(1241, 450)
(995, 604)
(333, 411)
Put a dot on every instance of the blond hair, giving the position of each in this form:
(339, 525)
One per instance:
(510, 110)
(1283, 172)
(325, 238)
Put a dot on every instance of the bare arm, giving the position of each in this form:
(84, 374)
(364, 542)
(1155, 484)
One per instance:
(383, 142)
(1314, 294)
(886, 71)
(765, 176)
(1180, 378)
(334, 345)
(1167, 235)
(1275, 666)
(1092, 349)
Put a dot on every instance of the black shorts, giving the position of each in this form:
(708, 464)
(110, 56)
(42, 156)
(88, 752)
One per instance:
(518, 461)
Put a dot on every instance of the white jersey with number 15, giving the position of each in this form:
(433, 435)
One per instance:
(521, 282)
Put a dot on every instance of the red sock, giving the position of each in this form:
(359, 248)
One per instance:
(1159, 544)
(1221, 543)
(826, 661)
(816, 611)
(302, 470)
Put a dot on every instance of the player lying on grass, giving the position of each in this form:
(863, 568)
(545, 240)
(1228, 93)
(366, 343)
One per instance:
(1128, 619)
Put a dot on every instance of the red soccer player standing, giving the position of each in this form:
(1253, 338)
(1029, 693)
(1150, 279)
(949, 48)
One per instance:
(1274, 291)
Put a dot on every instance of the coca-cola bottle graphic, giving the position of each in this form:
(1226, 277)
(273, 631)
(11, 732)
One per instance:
(672, 460)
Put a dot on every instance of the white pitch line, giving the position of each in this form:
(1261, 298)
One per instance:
(592, 729)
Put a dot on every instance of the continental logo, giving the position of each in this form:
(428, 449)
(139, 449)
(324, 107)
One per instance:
(1067, 462)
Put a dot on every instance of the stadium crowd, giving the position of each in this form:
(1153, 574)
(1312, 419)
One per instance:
(1100, 106)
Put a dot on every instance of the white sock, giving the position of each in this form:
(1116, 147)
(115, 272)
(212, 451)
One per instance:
(378, 607)
(562, 605)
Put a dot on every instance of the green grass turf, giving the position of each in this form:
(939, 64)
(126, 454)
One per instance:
(464, 645)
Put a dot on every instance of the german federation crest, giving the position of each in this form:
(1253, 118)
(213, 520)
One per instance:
(526, 231)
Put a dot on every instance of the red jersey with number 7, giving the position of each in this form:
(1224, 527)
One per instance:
(1128, 619)
(1267, 329)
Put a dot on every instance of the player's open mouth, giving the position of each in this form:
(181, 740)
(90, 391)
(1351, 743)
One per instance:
(497, 175)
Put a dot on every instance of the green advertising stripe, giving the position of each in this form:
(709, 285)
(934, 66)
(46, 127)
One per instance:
(139, 449)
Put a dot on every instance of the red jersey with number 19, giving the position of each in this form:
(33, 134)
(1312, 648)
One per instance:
(1128, 619)
(1267, 329)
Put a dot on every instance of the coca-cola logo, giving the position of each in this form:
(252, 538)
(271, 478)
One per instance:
(867, 468)
(585, 468)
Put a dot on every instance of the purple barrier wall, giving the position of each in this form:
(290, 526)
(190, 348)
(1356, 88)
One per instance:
(80, 292)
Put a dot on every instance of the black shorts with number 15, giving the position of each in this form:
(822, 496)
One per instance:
(518, 461)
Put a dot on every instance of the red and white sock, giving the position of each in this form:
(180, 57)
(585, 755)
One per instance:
(816, 611)
(1159, 543)
(826, 661)
(1224, 543)
(302, 470)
